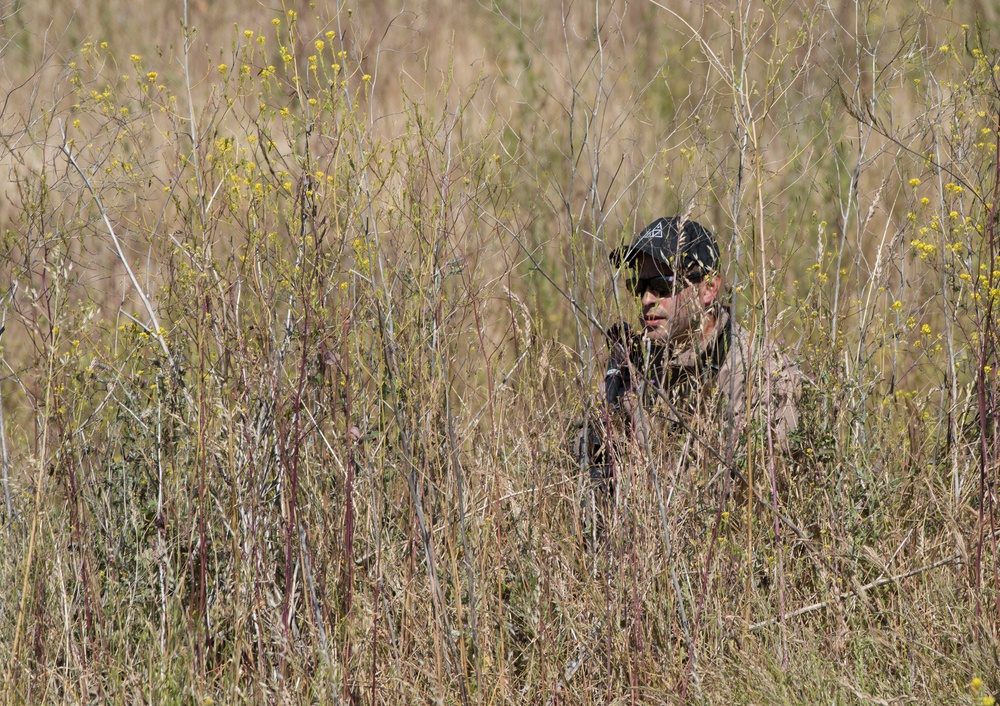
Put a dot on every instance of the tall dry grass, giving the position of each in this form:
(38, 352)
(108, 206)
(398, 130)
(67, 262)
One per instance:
(301, 308)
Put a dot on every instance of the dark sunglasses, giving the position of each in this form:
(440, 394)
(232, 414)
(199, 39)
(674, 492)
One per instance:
(661, 285)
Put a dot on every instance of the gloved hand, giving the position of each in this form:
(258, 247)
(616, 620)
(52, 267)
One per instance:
(624, 362)
(620, 409)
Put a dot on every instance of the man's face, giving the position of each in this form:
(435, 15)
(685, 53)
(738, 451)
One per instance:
(671, 316)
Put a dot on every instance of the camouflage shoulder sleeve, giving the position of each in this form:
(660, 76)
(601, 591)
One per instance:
(773, 379)
(786, 392)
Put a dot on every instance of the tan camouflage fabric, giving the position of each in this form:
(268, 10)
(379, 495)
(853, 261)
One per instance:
(684, 416)
(753, 382)
(718, 390)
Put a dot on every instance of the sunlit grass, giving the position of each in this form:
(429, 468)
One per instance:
(299, 328)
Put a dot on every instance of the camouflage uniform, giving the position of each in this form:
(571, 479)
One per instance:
(716, 379)
(652, 392)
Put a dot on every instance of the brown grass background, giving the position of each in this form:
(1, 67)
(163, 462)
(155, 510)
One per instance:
(338, 468)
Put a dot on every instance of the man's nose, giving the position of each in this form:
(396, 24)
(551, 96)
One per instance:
(648, 298)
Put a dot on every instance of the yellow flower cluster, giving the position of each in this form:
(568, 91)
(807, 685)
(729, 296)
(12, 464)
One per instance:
(923, 248)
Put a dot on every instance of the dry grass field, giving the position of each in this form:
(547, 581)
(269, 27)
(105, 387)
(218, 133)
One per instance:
(302, 307)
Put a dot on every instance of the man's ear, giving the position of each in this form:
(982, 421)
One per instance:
(709, 289)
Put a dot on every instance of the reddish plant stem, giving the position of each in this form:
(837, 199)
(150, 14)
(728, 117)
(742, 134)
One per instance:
(202, 532)
(348, 566)
(291, 533)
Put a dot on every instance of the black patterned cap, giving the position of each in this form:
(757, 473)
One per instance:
(683, 246)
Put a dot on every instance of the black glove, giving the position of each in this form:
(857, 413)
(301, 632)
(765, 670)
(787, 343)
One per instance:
(624, 362)
(626, 358)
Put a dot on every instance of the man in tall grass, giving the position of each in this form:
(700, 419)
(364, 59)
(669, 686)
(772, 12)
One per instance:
(693, 369)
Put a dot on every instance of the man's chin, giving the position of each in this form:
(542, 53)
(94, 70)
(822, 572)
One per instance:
(656, 335)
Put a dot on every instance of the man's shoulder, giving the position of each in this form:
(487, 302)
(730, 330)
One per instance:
(759, 361)
(747, 348)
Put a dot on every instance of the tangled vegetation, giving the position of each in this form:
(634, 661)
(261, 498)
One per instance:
(302, 306)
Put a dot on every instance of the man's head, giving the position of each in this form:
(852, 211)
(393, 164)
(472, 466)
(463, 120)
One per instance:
(674, 274)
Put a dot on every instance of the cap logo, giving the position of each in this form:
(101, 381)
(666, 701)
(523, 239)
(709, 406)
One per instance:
(673, 241)
(657, 232)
